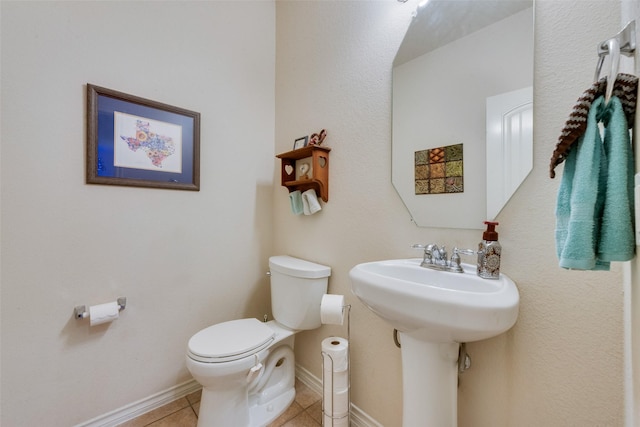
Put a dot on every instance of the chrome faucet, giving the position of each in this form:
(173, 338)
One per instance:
(438, 255)
(436, 258)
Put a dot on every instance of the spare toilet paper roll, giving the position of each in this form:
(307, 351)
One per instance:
(338, 406)
(338, 380)
(332, 309)
(103, 313)
(337, 349)
(336, 422)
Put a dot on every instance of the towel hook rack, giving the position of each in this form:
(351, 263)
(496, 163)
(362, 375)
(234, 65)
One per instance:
(626, 38)
(622, 43)
(614, 51)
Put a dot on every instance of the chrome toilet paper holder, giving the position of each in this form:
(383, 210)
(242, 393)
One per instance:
(80, 311)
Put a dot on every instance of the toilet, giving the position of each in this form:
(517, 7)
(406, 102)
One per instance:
(247, 367)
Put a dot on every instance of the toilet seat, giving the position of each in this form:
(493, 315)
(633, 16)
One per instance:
(232, 340)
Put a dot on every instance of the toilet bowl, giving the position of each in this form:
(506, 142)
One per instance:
(247, 367)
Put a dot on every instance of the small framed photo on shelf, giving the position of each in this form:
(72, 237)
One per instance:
(137, 142)
(301, 142)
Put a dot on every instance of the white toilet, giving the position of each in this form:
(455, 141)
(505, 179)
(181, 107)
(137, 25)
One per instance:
(247, 367)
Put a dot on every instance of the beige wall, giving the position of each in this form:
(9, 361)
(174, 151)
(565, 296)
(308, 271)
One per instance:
(562, 364)
(630, 11)
(185, 260)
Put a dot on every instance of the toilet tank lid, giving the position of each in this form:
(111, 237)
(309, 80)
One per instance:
(297, 267)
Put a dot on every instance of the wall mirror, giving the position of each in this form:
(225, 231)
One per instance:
(463, 110)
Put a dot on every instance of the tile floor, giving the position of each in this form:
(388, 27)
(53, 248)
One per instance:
(305, 411)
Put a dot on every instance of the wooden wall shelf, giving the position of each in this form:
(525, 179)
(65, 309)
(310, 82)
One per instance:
(317, 177)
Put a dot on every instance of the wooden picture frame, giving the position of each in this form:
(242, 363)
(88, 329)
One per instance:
(301, 142)
(137, 142)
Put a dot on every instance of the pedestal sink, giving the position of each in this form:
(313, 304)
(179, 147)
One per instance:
(434, 311)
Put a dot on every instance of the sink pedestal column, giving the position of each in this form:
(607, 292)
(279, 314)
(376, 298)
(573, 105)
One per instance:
(429, 383)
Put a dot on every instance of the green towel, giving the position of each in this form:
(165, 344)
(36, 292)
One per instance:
(581, 199)
(295, 198)
(616, 241)
(594, 213)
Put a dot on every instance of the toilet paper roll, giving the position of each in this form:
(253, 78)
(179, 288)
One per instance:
(332, 309)
(338, 406)
(338, 381)
(336, 422)
(338, 349)
(103, 313)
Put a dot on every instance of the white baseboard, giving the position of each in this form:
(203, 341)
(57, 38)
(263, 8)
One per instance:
(358, 417)
(142, 406)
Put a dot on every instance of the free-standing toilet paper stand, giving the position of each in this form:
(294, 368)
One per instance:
(326, 358)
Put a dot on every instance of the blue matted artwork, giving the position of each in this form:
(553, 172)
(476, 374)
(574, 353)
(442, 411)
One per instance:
(137, 142)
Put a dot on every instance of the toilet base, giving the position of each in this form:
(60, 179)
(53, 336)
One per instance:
(232, 403)
(262, 415)
(269, 400)
(223, 408)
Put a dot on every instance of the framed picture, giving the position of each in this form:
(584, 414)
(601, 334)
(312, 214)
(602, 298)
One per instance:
(300, 142)
(137, 142)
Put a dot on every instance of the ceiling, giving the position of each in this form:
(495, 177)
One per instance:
(440, 22)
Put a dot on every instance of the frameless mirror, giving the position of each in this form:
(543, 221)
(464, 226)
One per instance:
(462, 110)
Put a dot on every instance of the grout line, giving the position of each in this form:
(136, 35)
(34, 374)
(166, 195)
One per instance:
(150, 423)
(193, 409)
(162, 418)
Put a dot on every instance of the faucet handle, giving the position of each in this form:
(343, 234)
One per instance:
(455, 262)
(428, 249)
(428, 256)
(455, 258)
(427, 246)
(464, 251)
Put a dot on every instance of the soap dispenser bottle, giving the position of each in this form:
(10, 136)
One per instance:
(489, 251)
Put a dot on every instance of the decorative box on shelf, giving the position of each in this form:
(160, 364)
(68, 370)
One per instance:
(306, 168)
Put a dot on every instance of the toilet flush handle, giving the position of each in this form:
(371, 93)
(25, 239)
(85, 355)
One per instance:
(255, 370)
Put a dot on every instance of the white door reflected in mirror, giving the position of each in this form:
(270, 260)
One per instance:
(509, 145)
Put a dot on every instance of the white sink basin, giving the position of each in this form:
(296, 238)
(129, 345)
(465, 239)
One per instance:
(434, 311)
(436, 306)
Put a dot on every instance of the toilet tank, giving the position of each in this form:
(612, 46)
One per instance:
(297, 287)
